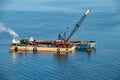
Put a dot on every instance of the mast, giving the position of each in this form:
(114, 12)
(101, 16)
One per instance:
(78, 24)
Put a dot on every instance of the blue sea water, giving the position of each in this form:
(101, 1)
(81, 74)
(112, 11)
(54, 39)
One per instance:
(45, 20)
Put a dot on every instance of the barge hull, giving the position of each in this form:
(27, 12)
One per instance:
(42, 49)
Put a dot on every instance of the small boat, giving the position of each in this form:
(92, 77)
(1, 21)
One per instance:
(85, 44)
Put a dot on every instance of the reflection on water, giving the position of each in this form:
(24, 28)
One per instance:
(88, 54)
(60, 57)
(89, 51)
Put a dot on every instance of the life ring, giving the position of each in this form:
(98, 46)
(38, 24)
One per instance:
(16, 49)
(34, 49)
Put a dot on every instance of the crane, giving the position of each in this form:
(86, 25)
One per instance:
(78, 24)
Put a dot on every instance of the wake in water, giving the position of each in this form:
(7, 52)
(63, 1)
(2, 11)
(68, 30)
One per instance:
(9, 30)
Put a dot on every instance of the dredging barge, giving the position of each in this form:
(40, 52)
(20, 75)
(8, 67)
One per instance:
(42, 46)
(62, 45)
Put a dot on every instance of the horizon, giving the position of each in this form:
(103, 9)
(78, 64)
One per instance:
(59, 6)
